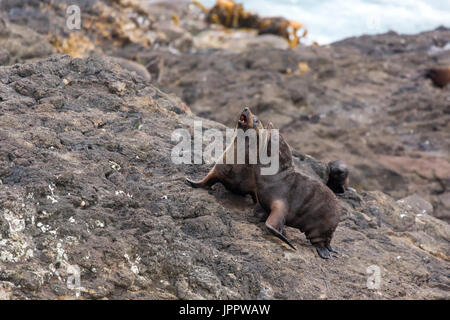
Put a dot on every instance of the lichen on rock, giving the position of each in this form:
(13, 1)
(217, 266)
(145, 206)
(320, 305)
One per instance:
(104, 196)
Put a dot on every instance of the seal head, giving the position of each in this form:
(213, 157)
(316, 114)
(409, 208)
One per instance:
(237, 178)
(338, 180)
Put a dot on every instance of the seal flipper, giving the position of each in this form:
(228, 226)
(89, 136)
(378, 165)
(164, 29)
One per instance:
(198, 184)
(329, 248)
(275, 221)
(206, 183)
(192, 183)
(280, 236)
(323, 252)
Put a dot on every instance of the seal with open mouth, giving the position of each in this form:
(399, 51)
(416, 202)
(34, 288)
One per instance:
(296, 200)
(237, 178)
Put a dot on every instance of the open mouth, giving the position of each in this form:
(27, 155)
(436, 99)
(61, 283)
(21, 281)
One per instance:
(243, 120)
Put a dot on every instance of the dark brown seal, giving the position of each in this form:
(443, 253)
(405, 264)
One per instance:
(440, 76)
(338, 179)
(237, 178)
(296, 200)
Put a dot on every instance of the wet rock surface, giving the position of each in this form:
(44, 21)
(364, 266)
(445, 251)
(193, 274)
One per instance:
(87, 182)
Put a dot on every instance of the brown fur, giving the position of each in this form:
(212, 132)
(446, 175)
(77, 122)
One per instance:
(237, 178)
(440, 76)
(338, 180)
(293, 199)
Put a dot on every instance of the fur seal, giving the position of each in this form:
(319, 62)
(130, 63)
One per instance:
(237, 178)
(439, 75)
(338, 180)
(296, 200)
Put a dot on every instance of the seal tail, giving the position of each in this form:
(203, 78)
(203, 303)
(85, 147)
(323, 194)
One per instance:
(280, 236)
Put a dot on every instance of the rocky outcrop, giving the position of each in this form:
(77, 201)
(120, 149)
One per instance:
(364, 100)
(87, 183)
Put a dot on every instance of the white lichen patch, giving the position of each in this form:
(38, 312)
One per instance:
(99, 224)
(17, 246)
(29, 253)
(133, 265)
(52, 197)
(14, 250)
(42, 227)
(44, 214)
(122, 193)
(115, 165)
(71, 240)
(6, 290)
(61, 259)
(61, 255)
(16, 222)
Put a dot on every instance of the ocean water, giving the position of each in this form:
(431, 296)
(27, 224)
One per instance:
(332, 20)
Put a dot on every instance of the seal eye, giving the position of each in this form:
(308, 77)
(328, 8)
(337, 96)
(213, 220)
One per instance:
(255, 120)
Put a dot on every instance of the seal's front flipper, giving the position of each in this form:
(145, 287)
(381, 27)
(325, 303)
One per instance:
(323, 252)
(329, 248)
(276, 219)
(280, 236)
(206, 183)
(193, 183)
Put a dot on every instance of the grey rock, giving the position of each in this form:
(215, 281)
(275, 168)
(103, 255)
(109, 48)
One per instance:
(82, 186)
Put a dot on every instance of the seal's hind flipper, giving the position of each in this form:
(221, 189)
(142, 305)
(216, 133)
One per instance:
(280, 236)
(331, 249)
(323, 252)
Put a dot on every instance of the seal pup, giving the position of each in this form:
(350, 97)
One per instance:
(293, 199)
(237, 178)
(338, 180)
